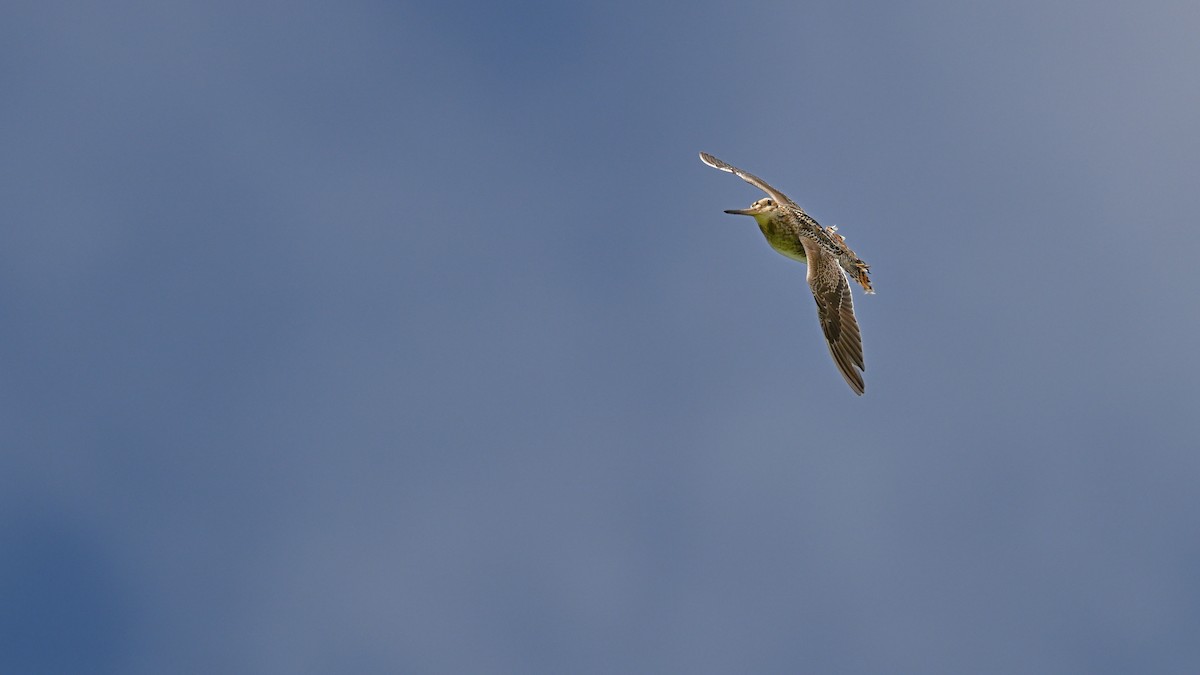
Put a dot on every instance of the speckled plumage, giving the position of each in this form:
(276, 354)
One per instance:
(793, 233)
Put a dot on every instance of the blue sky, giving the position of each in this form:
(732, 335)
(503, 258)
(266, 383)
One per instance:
(411, 337)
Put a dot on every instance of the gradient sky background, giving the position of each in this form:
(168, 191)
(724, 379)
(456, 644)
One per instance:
(410, 337)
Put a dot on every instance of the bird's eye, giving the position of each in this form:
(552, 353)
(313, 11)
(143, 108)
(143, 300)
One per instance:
(770, 203)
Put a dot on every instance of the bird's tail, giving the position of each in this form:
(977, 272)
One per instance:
(855, 266)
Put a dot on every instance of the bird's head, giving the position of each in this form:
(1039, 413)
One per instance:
(762, 210)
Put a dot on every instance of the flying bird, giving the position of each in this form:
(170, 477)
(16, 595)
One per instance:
(794, 233)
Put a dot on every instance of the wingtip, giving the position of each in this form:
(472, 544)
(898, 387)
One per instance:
(855, 379)
(857, 384)
(717, 164)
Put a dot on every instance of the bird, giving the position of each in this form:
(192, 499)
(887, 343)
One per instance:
(796, 235)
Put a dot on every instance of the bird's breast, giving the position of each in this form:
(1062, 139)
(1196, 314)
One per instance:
(783, 241)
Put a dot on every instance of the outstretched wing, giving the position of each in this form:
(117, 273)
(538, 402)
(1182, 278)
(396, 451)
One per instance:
(748, 177)
(835, 310)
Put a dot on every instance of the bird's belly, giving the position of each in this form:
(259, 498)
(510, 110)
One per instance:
(787, 245)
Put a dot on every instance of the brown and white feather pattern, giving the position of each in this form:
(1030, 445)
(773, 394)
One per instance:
(835, 311)
(829, 260)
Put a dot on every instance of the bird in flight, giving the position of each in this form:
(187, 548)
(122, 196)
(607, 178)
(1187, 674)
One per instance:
(794, 233)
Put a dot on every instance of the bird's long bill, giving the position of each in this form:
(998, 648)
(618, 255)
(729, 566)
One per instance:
(740, 212)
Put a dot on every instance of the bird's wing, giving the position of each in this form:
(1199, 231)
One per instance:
(748, 177)
(835, 310)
